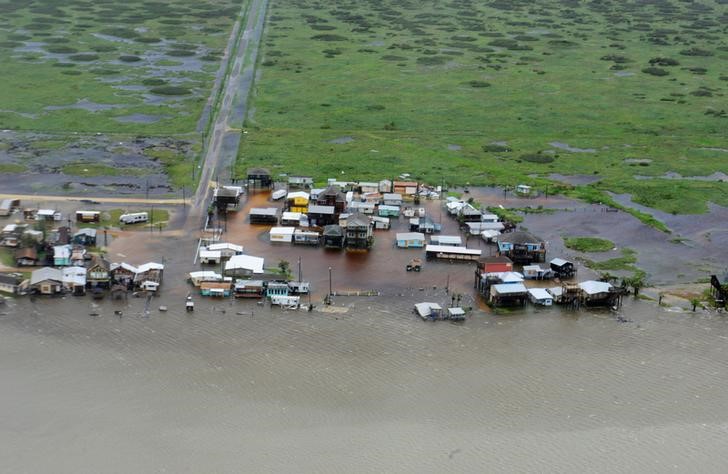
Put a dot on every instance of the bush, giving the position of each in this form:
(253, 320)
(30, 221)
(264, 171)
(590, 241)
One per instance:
(537, 158)
(478, 84)
(696, 52)
(129, 58)
(494, 148)
(84, 57)
(329, 37)
(170, 90)
(154, 81)
(655, 71)
(663, 62)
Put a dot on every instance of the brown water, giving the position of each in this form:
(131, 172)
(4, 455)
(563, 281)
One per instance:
(369, 390)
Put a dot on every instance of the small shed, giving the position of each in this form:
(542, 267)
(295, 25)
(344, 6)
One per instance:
(392, 199)
(210, 257)
(218, 289)
(249, 288)
(291, 219)
(26, 257)
(386, 210)
(506, 294)
(259, 178)
(278, 194)
(523, 189)
(88, 216)
(410, 240)
(282, 235)
(540, 296)
(562, 268)
(306, 237)
(264, 215)
(226, 250)
(428, 310)
(535, 272)
(451, 240)
(381, 223)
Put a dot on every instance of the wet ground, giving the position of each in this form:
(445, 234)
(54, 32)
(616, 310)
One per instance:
(45, 155)
(362, 385)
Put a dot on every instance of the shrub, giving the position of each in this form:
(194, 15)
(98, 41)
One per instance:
(329, 37)
(129, 58)
(537, 158)
(478, 84)
(170, 90)
(696, 52)
(495, 148)
(655, 71)
(84, 57)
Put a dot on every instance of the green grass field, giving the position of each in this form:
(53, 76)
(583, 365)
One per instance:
(498, 93)
(77, 66)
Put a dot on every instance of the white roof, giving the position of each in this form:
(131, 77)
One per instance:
(317, 191)
(489, 217)
(45, 273)
(556, 291)
(369, 184)
(10, 228)
(532, 267)
(540, 294)
(74, 275)
(206, 274)
(361, 204)
(225, 246)
(245, 262)
(451, 249)
(278, 194)
(210, 254)
(481, 226)
(448, 239)
(509, 288)
(125, 266)
(559, 261)
(425, 309)
(489, 234)
(507, 277)
(45, 212)
(388, 208)
(298, 194)
(282, 230)
(62, 251)
(291, 216)
(380, 219)
(149, 266)
(410, 236)
(392, 196)
(456, 311)
(593, 287)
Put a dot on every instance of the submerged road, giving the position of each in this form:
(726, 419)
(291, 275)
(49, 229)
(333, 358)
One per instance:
(222, 147)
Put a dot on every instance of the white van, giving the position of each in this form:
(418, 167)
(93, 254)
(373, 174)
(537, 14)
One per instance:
(134, 218)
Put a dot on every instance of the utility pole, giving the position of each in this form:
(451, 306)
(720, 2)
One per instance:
(330, 285)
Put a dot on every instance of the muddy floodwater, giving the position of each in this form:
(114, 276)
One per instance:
(363, 386)
(372, 389)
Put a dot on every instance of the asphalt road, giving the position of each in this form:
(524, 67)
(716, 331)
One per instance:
(225, 133)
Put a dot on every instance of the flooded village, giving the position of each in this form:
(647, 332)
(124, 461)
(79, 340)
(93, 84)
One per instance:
(248, 364)
(285, 242)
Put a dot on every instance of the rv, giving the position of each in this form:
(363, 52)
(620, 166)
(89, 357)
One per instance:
(134, 218)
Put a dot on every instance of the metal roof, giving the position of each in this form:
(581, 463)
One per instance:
(264, 211)
(509, 288)
(592, 287)
(316, 209)
(540, 293)
(410, 236)
(245, 262)
(451, 249)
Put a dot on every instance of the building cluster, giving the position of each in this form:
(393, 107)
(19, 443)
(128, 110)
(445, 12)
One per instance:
(64, 261)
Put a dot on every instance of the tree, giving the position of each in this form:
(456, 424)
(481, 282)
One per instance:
(284, 266)
(695, 302)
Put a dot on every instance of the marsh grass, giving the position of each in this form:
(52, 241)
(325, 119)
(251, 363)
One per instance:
(564, 88)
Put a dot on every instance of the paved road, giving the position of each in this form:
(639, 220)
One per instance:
(225, 134)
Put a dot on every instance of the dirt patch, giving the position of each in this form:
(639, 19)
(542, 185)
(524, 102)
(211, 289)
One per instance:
(342, 140)
(571, 149)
